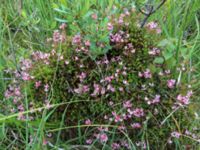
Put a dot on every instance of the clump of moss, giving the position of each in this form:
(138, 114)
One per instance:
(120, 87)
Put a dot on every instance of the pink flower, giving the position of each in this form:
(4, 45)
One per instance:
(45, 142)
(82, 76)
(127, 104)
(17, 92)
(25, 76)
(46, 88)
(89, 141)
(125, 144)
(26, 64)
(103, 137)
(87, 43)
(110, 88)
(94, 16)
(154, 51)
(66, 62)
(37, 84)
(111, 103)
(88, 122)
(155, 100)
(117, 117)
(138, 112)
(76, 39)
(122, 127)
(97, 90)
(183, 100)
(136, 125)
(140, 74)
(20, 108)
(176, 134)
(103, 90)
(152, 25)
(110, 26)
(109, 78)
(171, 83)
(121, 89)
(147, 74)
(115, 146)
(63, 26)
(125, 82)
(82, 89)
(56, 36)
(116, 38)
(158, 30)
(189, 93)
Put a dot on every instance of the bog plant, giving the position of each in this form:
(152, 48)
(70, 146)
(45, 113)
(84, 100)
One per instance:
(130, 97)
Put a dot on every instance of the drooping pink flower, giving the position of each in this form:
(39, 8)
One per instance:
(87, 43)
(147, 74)
(97, 90)
(37, 84)
(125, 82)
(176, 134)
(46, 87)
(66, 62)
(17, 92)
(56, 36)
(152, 25)
(154, 51)
(183, 100)
(102, 137)
(155, 100)
(94, 16)
(121, 89)
(121, 19)
(89, 141)
(88, 122)
(158, 30)
(45, 142)
(82, 76)
(63, 26)
(124, 143)
(21, 116)
(110, 26)
(171, 83)
(76, 39)
(82, 89)
(102, 129)
(140, 74)
(121, 127)
(117, 117)
(127, 104)
(115, 146)
(25, 64)
(110, 88)
(136, 125)
(21, 108)
(138, 112)
(116, 38)
(189, 93)
(110, 103)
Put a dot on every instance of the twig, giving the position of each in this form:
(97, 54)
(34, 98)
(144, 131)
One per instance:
(169, 115)
(151, 11)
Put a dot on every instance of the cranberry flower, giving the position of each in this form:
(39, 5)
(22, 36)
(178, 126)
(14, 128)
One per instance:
(171, 83)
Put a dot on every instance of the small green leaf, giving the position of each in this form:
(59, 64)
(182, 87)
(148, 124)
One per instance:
(159, 60)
